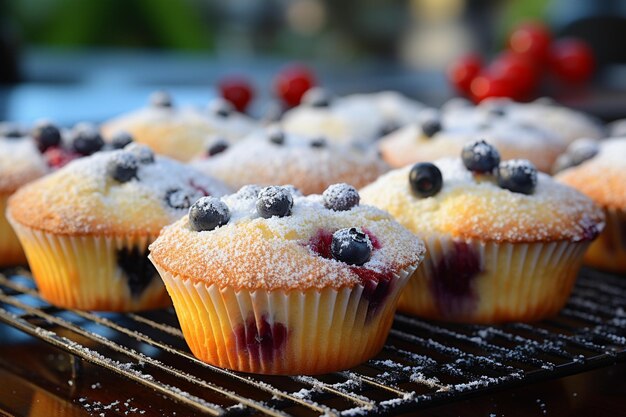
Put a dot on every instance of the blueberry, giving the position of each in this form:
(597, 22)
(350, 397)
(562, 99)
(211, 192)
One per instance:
(248, 192)
(498, 111)
(161, 99)
(425, 179)
(479, 156)
(121, 139)
(122, 166)
(274, 201)
(208, 213)
(218, 146)
(179, 199)
(86, 139)
(318, 143)
(517, 175)
(430, 126)
(143, 153)
(317, 97)
(221, 107)
(341, 197)
(276, 136)
(138, 270)
(46, 135)
(351, 246)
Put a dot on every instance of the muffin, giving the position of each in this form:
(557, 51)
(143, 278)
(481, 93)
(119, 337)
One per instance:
(85, 229)
(439, 135)
(268, 282)
(20, 163)
(310, 164)
(504, 242)
(565, 123)
(599, 171)
(180, 133)
(361, 118)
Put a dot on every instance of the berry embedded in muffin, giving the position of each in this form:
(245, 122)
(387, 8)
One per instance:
(278, 281)
(504, 241)
(86, 228)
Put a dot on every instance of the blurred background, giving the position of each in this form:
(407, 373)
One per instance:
(73, 60)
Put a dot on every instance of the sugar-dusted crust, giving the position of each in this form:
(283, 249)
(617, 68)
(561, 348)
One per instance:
(256, 253)
(562, 122)
(256, 160)
(353, 118)
(603, 177)
(409, 145)
(471, 207)
(181, 134)
(82, 199)
(20, 163)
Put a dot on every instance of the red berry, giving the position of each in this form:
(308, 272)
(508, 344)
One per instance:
(292, 82)
(519, 71)
(488, 85)
(57, 157)
(572, 60)
(238, 91)
(462, 71)
(531, 39)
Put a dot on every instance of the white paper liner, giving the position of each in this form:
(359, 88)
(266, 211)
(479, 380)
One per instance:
(326, 330)
(608, 251)
(11, 252)
(82, 272)
(517, 282)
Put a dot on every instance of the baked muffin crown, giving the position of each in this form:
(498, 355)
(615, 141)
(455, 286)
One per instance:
(289, 252)
(121, 192)
(602, 176)
(180, 132)
(310, 163)
(479, 206)
(20, 162)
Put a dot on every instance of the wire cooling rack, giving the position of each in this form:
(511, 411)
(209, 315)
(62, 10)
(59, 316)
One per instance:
(423, 363)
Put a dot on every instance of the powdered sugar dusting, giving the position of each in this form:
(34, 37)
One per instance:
(471, 206)
(602, 177)
(256, 160)
(83, 198)
(254, 252)
(20, 162)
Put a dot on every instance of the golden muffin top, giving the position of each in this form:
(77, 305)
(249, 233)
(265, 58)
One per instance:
(274, 238)
(495, 201)
(20, 163)
(122, 192)
(182, 133)
(310, 163)
(601, 173)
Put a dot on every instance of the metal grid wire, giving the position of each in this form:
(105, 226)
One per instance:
(422, 364)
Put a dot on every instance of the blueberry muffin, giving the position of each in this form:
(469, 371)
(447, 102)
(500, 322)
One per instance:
(361, 118)
(85, 229)
(443, 134)
(20, 163)
(599, 171)
(504, 242)
(311, 164)
(180, 133)
(270, 282)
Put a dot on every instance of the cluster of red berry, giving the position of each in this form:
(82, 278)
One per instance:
(517, 72)
(290, 84)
